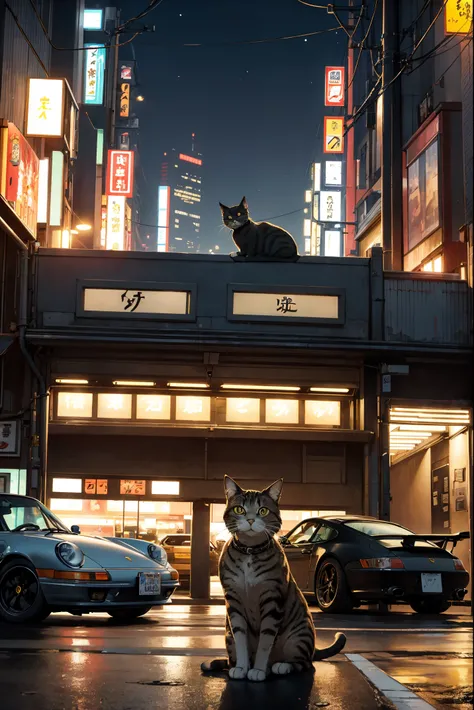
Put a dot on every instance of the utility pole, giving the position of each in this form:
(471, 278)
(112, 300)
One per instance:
(391, 139)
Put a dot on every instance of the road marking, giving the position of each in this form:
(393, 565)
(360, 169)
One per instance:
(398, 694)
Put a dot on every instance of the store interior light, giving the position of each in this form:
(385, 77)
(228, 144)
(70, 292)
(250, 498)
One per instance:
(133, 383)
(82, 227)
(71, 381)
(74, 231)
(335, 390)
(189, 385)
(267, 388)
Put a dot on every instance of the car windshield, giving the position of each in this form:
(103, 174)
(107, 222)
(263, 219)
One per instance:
(377, 527)
(177, 540)
(27, 514)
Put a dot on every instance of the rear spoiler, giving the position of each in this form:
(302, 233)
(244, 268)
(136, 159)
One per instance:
(408, 541)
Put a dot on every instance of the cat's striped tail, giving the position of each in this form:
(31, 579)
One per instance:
(322, 653)
(218, 664)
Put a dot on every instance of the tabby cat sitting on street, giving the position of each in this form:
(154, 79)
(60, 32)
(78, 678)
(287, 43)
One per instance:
(268, 623)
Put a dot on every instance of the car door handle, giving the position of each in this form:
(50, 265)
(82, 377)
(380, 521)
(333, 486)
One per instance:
(305, 552)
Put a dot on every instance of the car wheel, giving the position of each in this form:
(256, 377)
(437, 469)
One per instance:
(429, 606)
(128, 614)
(21, 596)
(330, 588)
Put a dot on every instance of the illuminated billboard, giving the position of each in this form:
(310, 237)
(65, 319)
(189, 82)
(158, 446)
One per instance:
(333, 134)
(120, 173)
(330, 206)
(164, 194)
(45, 107)
(334, 86)
(94, 71)
(333, 172)
(457, 17)
(115, 222)
(190, 159)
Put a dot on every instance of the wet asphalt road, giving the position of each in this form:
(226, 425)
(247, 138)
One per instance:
(94, 663)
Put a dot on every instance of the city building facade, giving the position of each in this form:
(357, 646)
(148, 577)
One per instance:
(179, 201)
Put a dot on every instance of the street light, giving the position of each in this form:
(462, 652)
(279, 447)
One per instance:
(82, 227)
(140, 98)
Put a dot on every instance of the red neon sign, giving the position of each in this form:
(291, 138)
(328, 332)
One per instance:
(120, 173)
(190, 159)
(334, 86)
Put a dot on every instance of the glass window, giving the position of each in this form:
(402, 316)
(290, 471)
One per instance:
(177, 540)
(67, 485)
(244, 410)
(322, 413)
(153, 406)
(114, 406)
(23, 511)
(423, 196)
(375, 527)
(195, 409)
(325, 533)
(282, 411)
(75, 404)
(303, 533)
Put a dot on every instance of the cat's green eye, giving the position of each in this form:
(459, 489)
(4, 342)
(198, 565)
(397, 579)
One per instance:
(263, 512)
(238, 510)
(238, 214)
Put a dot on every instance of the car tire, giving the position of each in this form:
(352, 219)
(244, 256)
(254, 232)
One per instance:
(331, 589)
(21, 597)
(128, 614)
(429, 606)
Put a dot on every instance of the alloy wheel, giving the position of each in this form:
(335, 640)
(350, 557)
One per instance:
(327, 585)
(19, 590)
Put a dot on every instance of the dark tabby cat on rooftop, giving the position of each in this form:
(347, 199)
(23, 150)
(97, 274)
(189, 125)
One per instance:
(258, 239)
(268, 624)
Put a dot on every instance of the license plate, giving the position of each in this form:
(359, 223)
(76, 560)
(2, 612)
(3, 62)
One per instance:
(431, 583)
(149, 583)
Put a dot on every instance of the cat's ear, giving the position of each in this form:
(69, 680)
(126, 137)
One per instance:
(274, 491)
(244, 203)
(231, 487)
(223, 207)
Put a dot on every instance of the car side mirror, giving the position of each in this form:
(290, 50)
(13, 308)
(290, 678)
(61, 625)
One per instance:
(76, 529)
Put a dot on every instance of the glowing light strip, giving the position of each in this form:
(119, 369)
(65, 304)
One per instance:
(133, 383)
(189, 385)
(336, 390)
(275, 388)
(68, 381)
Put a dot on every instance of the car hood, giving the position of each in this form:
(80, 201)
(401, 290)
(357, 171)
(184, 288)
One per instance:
(105, 553)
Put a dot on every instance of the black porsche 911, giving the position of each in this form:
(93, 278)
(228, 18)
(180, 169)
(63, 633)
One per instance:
(346, 561)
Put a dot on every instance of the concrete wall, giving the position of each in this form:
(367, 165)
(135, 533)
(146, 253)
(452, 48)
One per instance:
(410, 488)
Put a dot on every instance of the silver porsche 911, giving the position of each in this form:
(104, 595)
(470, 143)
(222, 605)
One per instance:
(45, 567)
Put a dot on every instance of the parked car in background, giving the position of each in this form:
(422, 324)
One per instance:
(46, 567)
(346, 561)
(178, 550)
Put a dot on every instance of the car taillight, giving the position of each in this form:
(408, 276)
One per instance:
(459, 565)
(383, 563)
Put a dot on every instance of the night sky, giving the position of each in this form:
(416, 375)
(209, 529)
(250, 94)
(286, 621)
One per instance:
(256, 109)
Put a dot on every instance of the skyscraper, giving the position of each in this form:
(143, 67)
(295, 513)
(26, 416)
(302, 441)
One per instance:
(179, 201)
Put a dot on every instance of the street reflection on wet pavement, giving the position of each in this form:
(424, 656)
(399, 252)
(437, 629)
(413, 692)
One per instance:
(94, 663)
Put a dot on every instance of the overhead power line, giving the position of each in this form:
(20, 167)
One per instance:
(166, 226)
(260, 41)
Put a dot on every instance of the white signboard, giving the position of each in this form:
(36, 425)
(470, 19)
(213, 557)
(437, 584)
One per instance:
(45, 107)
(332, 242)
(333, 172)
(118, 300)
(115, 222)
(330, 206)
(9, 439)
(287, 305)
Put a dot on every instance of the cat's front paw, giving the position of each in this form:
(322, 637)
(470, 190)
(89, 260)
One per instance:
(282, 668)
(256, 674)
(237, 673)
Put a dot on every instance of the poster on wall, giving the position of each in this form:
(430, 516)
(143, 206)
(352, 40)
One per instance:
(415, 217)
(132, 488)
(9, 438)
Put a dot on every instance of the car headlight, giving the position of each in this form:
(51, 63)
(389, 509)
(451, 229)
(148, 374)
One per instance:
(158, 554)
(70, 554)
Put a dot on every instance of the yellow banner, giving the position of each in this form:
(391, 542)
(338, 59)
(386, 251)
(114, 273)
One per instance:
(124, 100)
(457, 17)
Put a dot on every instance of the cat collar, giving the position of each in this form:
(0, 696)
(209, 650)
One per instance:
(254, 550)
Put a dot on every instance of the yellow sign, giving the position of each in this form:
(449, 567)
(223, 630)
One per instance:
(90, 486)
(333, 134)
(115, 223)
(457, 17)
(45, 107)
(124, 100)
